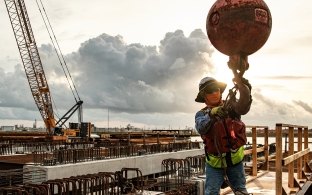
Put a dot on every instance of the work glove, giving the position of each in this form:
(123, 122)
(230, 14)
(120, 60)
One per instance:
(218, 111)
(242, 80)
(241, 105)
(246, 82)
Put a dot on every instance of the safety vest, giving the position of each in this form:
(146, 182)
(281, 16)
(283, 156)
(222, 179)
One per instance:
(224, 142)
(222, 161)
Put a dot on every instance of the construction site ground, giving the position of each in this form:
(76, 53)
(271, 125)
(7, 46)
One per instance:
(264, 184)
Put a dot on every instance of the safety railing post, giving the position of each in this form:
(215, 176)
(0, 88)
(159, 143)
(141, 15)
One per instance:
(306, 145)
(291, 152)
(254, 151)
(278, 159)
(299, 162)
(266, 148)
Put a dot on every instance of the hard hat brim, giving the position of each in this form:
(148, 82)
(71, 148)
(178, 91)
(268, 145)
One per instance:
(220, 85)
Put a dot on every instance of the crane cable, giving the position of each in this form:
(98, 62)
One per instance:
(58, 52)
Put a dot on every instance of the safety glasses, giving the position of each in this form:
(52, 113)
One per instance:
(211, 90)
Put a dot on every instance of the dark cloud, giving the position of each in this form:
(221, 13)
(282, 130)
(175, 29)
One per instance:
(304, 105)
(130, 78)
(145, 84)
(265, 110)
(16, 101)
(270, 106)
(264, 100)
(14, 89)
(141, 79)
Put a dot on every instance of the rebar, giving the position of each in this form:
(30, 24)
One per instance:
(197, 164)
(75, 153)
(176, 171)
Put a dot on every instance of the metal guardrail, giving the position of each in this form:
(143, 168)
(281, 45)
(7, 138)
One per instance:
(22, 147)
(66, 156)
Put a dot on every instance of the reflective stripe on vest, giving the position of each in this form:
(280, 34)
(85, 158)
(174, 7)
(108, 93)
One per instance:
(216, 161)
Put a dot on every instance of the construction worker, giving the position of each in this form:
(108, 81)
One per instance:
(223, 133)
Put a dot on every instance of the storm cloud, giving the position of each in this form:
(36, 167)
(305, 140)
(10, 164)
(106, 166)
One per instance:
(152, 85)
(304, 105)
(130, 78)
(134, 78)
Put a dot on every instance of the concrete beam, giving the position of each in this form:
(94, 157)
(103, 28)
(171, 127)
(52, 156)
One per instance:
(148, 164)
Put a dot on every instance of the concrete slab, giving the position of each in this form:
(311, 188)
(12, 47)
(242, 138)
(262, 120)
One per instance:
(148, 164)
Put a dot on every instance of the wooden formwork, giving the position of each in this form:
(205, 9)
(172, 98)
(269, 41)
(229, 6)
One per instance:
(297, 173)
(255, 149)
(300, 157)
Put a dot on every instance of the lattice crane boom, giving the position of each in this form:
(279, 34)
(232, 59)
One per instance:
(31, 60)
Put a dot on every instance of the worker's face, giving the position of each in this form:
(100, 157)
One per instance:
(213, 97)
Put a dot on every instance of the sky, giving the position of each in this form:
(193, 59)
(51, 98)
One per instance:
(139, 62)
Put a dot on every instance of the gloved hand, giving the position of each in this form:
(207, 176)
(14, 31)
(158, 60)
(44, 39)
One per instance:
(242, 104)
(246, 82)
(242, 80)
(218, 111)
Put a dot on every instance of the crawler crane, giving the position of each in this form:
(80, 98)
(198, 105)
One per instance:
(34, 70)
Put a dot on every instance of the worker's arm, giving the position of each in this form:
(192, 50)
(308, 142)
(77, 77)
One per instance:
(242, 105)
(203, 121)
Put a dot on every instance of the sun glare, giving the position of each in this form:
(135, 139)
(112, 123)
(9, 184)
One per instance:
(222, 71)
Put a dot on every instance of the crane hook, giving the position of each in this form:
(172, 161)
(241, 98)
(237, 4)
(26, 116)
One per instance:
(238, 63)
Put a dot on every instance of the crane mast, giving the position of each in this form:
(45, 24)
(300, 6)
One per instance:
(31, 61)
